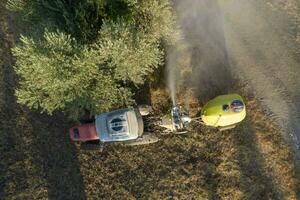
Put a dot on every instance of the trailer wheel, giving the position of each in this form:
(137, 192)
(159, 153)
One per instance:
(224, 128)
(92, 146)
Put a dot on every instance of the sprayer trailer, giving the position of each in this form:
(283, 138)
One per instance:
(223, 112)
(123, 125)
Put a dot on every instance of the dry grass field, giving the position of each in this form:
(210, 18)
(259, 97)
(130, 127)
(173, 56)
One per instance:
(38, 161)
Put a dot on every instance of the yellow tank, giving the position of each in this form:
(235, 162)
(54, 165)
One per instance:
(224, 110)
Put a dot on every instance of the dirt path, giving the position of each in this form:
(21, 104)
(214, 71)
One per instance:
(263, 51)
(227, 40)
(248, 41)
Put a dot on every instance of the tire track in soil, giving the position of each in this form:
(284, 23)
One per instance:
(262, 52)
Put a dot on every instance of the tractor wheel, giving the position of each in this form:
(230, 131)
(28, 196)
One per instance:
(144, 109)
(144, 139)
(86, 120)
(92, 146)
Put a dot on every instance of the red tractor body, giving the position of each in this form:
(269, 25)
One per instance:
(84, 132)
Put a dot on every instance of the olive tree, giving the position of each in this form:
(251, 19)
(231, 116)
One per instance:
(57, 73)
(62, 72)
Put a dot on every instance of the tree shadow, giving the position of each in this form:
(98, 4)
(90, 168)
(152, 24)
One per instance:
(293, 124)
(36, 156)
(254, 180)
(142, 94)
(58, 157)
(10, 152)
(294, 128)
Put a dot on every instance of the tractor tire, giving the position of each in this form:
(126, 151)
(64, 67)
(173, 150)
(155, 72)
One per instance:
(144, 109)
(86, 120)
(224, 128)
(92, 146)
(144, 139)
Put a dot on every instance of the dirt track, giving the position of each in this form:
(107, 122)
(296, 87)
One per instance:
(261, 46)
(245, 40)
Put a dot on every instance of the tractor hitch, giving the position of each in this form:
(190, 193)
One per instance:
(180, 119)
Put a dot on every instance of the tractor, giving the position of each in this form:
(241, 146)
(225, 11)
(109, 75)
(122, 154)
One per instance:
(123, 125)
(126, 126)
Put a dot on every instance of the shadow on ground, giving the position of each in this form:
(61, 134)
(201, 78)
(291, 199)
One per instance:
(37, 161)
(58, 157)
(254, 180)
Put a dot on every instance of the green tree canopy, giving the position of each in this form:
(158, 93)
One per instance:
(57, 74)
(61, 71)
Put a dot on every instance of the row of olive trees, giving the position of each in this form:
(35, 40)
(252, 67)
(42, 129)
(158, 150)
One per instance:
(84, 63)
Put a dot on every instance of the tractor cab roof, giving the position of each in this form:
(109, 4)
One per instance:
(119, 125)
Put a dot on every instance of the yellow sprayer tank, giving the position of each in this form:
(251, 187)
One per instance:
(224, 110)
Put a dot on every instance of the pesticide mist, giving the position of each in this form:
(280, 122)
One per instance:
(199, 60)
(173, 67)
(240, 39)
(263, 51)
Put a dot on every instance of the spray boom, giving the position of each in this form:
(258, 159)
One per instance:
(179, 119)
